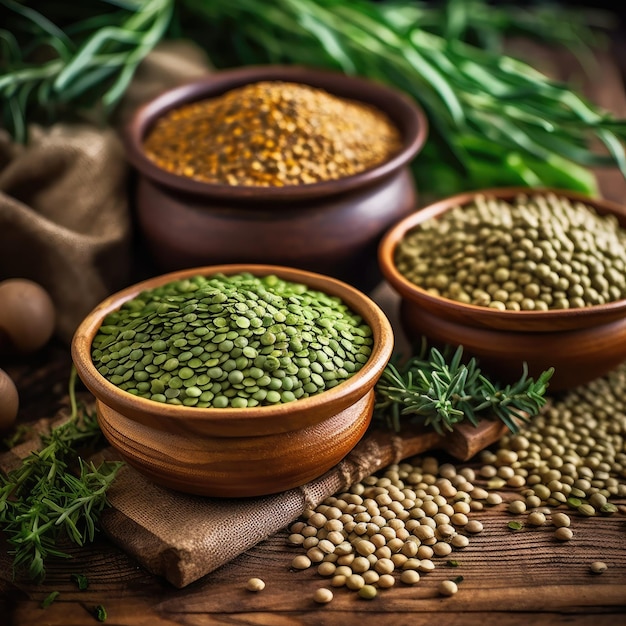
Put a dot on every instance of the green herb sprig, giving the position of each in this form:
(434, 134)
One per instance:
(86, 63)
(43, 499)
(493, 119)
(441, 392)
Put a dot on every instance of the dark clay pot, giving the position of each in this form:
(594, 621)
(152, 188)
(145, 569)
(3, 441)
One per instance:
(331, 227)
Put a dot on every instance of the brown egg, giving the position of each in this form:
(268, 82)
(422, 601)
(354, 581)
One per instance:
(27, 315)
(9, 401)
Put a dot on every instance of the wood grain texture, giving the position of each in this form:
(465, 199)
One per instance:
(509, 578)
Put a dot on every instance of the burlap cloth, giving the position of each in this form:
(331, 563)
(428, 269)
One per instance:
(65, 222)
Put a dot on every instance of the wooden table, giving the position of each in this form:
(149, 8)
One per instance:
(521, 578)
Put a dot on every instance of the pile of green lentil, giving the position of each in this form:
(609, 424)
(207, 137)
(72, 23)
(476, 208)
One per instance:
(398, 524)
(538, 252)
(272, 134)
(231, 341)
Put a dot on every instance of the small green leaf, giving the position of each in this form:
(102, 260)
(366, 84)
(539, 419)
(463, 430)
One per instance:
(82, 582)
(100, 613)
(453, 563)
(49, 599)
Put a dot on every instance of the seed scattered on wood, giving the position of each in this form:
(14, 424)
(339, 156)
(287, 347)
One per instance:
(301, 562)
(447, 588)
(561, 520)
(323, 595)
(563, 533)
(409, 577)
(536, 518)
(367, 592)
(597, 567)
(255, 584)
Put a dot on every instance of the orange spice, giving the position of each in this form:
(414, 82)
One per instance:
(272, 133)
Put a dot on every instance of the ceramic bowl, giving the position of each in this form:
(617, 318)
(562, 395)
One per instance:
(329, 227)
(237, 452)
(580, 343)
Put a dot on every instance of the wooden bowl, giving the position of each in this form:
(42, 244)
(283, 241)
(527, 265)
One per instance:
(237, 452)
(580, 343)
(331, 227)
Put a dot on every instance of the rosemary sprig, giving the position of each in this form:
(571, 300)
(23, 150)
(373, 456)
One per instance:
(43, 499)
(441, 393)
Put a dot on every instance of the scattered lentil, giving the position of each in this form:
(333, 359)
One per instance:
(323, 595)
(538, 252)
(447, 588)
(597, 567)
(561, 520)
(563, 533)
(301, 562)
(230, 341)
(409, 577)
(367, 592)
(536, 518)
(255, 584)
(272, 134)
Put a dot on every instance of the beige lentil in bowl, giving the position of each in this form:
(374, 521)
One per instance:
(476, 244)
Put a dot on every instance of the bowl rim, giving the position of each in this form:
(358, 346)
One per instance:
(404, 112)
(228, 421)
(544, 320)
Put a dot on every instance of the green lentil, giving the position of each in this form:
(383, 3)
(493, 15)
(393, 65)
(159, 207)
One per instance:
(569, 238)
(272, 133)
(231, 360)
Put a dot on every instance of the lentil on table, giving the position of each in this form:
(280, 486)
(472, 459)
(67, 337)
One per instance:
(403, 522)
(272, 133)
(538, 252)
(231, 341)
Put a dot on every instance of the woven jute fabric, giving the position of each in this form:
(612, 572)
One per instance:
(64, 219)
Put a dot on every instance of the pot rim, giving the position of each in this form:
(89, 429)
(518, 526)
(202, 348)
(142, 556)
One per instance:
(403, 111)
(480, 316)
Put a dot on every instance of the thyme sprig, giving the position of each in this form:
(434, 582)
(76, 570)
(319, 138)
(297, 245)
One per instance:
(55, 493)
(441, 392)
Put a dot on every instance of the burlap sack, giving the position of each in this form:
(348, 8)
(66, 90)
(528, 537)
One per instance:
(64, 219)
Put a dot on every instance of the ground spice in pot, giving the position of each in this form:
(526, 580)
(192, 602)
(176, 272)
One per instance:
(272, 134)
(537, 252)
(231, 341)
